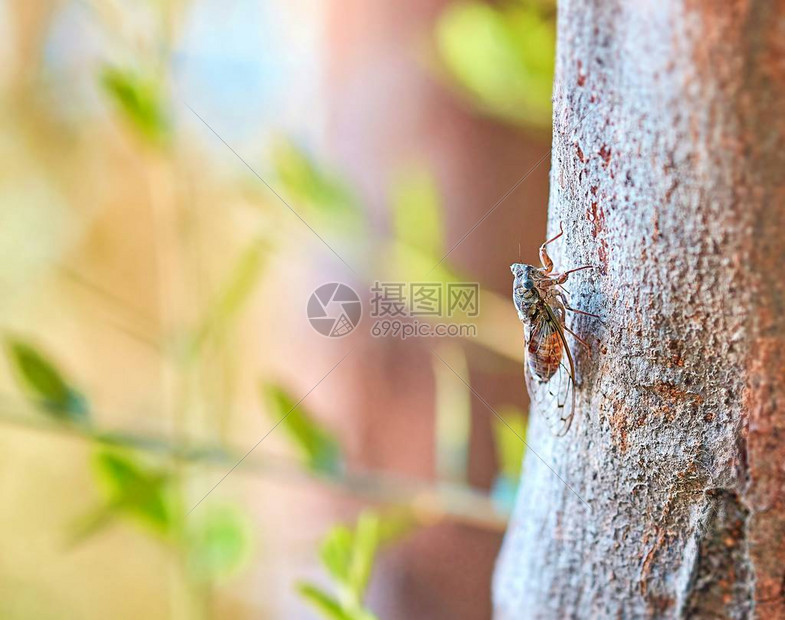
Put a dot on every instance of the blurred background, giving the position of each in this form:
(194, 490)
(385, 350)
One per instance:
(177, 441)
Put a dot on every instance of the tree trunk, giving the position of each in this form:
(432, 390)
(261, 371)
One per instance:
(667, 172)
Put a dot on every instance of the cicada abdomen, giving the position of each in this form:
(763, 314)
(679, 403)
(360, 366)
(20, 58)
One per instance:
(544, 349)
(550, 374)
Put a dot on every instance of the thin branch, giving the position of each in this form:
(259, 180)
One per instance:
(428, 502)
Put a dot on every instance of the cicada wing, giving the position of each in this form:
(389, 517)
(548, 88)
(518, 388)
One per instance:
(565, 380)
(562, 393)
(533, 384)
(531, 381)
(554, 399)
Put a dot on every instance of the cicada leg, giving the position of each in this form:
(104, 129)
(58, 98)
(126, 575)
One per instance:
(561, 278)
(545, 259)
(579, 339)
(565, 304)
(583, 312)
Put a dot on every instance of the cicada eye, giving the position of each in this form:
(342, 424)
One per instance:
(528, 284)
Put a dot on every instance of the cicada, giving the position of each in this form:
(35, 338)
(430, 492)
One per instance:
(542, 303)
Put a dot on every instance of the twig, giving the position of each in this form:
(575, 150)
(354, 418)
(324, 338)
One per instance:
(429, 503)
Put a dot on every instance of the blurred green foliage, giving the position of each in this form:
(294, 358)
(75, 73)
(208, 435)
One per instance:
(453, 413)
(348, 556)
(417, 242)
(311, 185)
(320, 449)
(417, 211)
(132, 489)
(501, 57)
(233, 295)
(509, 439)
(44, 384)
(216, 541)
(141, 101)
(219, 541)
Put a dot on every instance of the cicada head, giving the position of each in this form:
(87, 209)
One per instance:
(524, 291)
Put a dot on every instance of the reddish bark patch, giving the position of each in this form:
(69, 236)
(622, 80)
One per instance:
(648, 561)
(670, 190)
(672, 393)
(605, 153)
(619, 421)
(766, 490)
(655, 235)
(596, 215)
(602, 254)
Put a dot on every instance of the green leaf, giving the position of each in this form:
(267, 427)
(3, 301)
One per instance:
(307, 183)
(44, 384)
(92, 523)
(137, 490)
(417, 212)
(319, 447)
(349, 555)
(336, 552)
(405, 263)
(234, 294)
(325, 604)
(366, 542)
(503, 58)
(141, 101)
(396, 524)
(220, 542)
(509, 439)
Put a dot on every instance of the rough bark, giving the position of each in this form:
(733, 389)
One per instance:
(667, 172)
